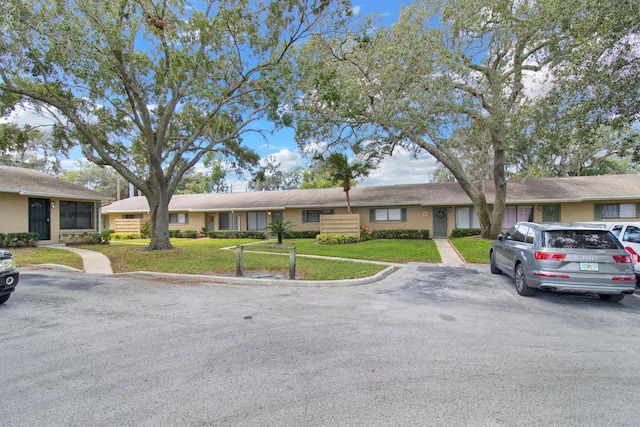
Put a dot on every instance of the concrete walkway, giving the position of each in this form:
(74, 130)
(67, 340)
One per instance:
(448, 253)
(93, 262)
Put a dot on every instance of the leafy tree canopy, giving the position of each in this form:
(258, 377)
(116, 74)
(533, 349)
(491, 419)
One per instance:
(461, 89)
(149, 87)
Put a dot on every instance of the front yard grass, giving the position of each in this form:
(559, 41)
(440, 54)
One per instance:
(26, 257)
(204, 256)
(474, 249)
(384, 250)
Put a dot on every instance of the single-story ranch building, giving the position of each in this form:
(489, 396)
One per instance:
(32, 201)
(438, 207)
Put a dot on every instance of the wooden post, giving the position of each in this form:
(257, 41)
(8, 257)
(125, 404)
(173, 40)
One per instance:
(239, 253)
(292, 263)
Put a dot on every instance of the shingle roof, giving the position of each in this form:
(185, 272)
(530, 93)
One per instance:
(33, 183)
(545, 190)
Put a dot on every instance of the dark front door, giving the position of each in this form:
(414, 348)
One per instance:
(39, 218)
(440, 222)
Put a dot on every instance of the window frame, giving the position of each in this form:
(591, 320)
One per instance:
(375, 217)
(256, 220)
(178, 216)
(318, 212)
(64, 209)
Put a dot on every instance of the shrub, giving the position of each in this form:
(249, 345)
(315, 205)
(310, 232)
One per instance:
(465, 232)
(18, 240)
(84, 238)
(190, 234)
(336, 239)
(105, 236)
(260, 235)
(401, 234)
(303, 234)
(174, 234)
(145, 230)
(125, 236)
(365, 233)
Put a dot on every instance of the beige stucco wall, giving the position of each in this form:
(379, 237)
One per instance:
(14, 213)
(418, 217)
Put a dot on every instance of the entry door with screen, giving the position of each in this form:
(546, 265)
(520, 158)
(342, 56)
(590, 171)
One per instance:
(39, 218)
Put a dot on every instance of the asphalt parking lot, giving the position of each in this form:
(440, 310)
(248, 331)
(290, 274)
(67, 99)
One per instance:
(427, 346)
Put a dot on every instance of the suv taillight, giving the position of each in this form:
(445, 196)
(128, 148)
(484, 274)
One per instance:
(622, 259)
(634, 255)
(548, 256)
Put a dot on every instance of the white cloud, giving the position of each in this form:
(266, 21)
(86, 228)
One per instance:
(25, 115)
(402, 169)
(356, 10)
(288, 159)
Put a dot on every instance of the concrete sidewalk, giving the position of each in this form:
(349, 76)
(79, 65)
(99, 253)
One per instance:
(93, 262)
(448, 253)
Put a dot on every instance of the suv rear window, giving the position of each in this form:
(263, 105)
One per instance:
(581, 239)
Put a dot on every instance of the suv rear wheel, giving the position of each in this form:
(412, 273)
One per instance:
(612, 298)
(521, 282)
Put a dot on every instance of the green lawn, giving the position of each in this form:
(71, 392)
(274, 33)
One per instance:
(385, 250)
(474, 249)
(205, 256)
(26, 257)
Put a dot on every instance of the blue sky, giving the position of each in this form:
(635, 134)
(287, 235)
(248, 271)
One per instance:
(400, 169)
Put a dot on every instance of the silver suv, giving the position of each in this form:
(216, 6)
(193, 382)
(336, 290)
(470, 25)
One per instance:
(564, 258)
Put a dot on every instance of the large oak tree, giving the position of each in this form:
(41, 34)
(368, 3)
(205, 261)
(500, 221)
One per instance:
(452, 78)
(149, 87)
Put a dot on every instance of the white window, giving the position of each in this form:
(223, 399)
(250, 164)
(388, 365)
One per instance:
(513, 214)
(622, 210)
(178, 218)
(466, 217)
(229, 221)
(256, 220)
(389, 214)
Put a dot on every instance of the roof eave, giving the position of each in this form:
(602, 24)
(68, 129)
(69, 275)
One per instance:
(62, 195)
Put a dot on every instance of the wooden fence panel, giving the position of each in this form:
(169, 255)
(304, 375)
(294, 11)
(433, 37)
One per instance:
(128, 226)
(340, 224)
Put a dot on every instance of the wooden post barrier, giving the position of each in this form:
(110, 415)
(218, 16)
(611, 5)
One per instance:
(239, 254)
(292, 263)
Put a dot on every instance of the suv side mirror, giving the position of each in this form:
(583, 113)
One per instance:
(500, 237)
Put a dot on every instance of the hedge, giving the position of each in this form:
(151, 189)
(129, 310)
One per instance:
(187, 234)
(260, 235)
(401, 234)
(84, 238)
(125, 236)
(465, 232)
(336, 239)
(308, 234)
(18, 240)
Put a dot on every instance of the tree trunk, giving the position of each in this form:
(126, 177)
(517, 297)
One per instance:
(500, 183)
(348, 203)
(159, 210)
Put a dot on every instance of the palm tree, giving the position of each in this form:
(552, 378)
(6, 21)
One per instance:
(344, 172)
(279, 228)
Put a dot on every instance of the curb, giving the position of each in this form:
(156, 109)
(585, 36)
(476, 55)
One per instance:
(201, 278)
